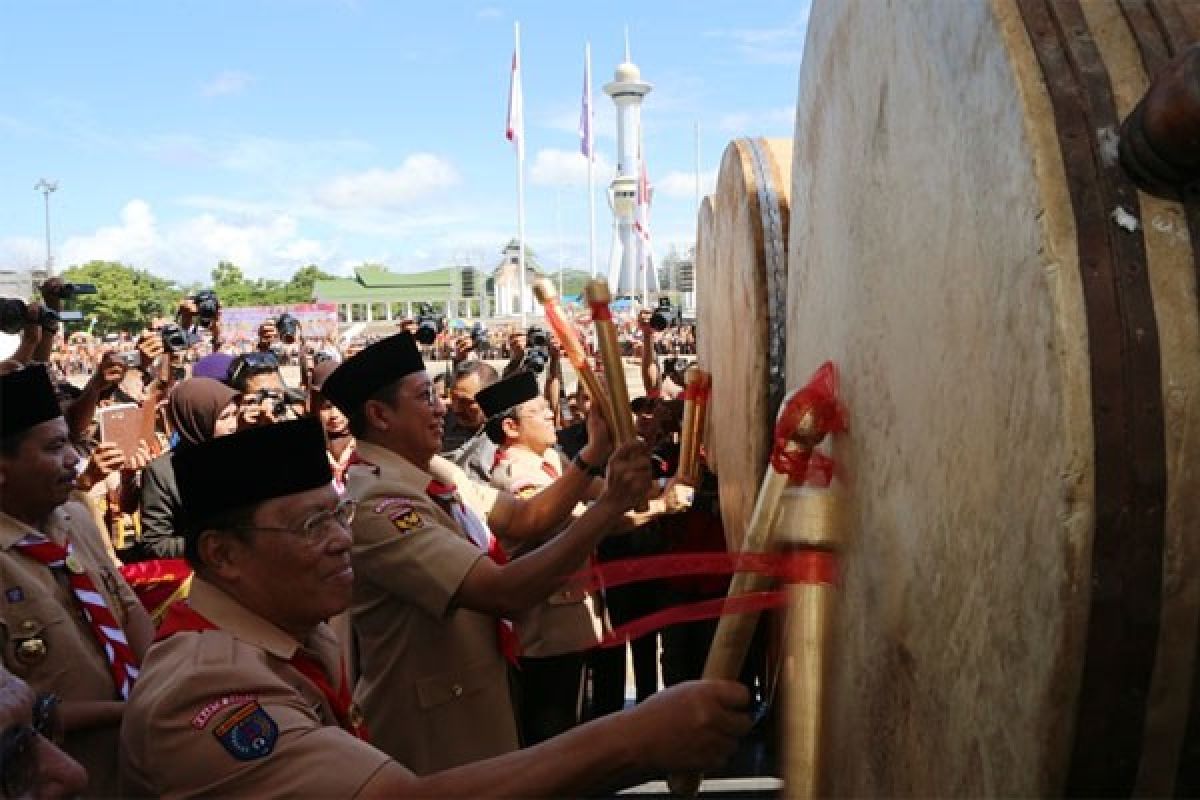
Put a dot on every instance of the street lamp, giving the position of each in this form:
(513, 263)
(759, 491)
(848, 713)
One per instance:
(46, 187)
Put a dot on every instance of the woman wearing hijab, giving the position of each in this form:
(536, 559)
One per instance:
(199, 409)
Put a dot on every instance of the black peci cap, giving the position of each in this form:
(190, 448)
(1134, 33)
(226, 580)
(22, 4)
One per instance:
(249, 467)
(369, 370)
(27, 398)
(508, 393)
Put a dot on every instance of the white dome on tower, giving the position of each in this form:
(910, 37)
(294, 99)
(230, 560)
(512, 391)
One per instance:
(627, 72)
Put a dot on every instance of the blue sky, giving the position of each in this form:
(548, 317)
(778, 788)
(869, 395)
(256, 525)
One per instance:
(275, 134)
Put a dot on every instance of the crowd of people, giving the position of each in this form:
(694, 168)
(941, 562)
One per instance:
(375, 582)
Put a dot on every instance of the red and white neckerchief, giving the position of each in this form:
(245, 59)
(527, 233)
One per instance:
(121, 661)
(547, 467)
(446, 496)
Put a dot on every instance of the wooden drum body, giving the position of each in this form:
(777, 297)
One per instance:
(741, 277)
(1017, 334)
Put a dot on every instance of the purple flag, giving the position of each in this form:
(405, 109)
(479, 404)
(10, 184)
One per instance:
(585, 113)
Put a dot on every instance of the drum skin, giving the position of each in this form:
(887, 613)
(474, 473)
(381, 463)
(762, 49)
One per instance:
(1018, 342)
(741, 276)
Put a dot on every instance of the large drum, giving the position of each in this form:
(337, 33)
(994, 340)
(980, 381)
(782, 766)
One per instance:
(1019, 347)
(741, 280)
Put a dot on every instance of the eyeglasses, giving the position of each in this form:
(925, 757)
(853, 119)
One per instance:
(428, 394)
(317, 525)
(18, 746)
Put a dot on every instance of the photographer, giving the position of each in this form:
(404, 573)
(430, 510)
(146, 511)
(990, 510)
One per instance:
(462, 439)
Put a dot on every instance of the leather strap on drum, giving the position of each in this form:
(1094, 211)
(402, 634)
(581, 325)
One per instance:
(1162, 33)
(1127, 411)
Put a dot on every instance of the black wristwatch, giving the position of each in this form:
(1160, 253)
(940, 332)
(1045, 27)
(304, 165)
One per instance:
(594, 471)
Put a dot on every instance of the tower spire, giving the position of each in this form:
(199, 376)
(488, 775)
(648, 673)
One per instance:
(627, 58)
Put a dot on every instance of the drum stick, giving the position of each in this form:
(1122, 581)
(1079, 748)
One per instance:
(598, 297)
(800, 427)
(698, 383)
(547, 295)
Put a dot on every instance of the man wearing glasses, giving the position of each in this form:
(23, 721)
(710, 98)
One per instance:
(433, 595)
(243, 693)
(31, 764)
(70, 624)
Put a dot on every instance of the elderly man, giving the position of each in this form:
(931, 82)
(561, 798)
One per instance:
(70, 623)
(243, 695)
(433, 593)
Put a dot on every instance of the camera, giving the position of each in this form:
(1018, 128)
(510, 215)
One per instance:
(429, 325)
(173, 338)
(12, 316)
(288, 327)
(665, 316)
(68, 290)
(130, 358)
(207, 307)
(272, 400)
(479, 339)
(537, 349)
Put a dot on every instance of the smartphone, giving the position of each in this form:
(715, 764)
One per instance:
(121, 424)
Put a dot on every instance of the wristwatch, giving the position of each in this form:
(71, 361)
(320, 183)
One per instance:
(594, 471)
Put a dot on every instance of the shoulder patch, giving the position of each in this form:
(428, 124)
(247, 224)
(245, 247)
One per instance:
(400, 510)
(213, 707)
(248, 733)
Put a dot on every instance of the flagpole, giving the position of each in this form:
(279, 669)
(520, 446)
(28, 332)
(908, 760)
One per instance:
(588, 143)
(520, 169)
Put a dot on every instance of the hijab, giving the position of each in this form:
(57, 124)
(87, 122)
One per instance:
(194, 406)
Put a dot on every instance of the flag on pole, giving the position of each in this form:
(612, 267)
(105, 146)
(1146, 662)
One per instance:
(515, 132)
(641, 222)
(585, 113)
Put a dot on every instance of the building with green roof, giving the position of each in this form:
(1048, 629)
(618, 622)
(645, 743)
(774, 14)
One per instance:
(375, 293)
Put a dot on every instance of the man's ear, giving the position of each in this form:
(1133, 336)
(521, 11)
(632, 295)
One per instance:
(375, 413)
(220, 552)
(508, 426)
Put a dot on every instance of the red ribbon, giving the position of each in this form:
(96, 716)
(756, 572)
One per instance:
(802, 566)
(600, 312)
(818, 400)
(692, 612)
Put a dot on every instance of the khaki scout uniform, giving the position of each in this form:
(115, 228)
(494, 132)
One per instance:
(200, 689)
(569, 620)
(46, 639)
(433, 684)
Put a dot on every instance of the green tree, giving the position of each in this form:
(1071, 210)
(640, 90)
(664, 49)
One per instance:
(300, 287)
(126, 298)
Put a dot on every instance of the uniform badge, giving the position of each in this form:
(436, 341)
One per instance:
(248, 733)
(15, 595)
(31, 651)
(74, 565)
(401, 513)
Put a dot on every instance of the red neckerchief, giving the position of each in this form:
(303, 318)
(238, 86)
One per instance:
(181, 618)
(446, 496)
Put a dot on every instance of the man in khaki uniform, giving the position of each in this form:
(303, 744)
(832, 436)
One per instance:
(241, 696)
(555, 633)
(432, 597)
(70, 624)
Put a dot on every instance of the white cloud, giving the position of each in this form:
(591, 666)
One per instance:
(188, 250)
(226, 83)
(252, 154)
(553, 167)
(745, 123)
(22, 252)
(780, 44)
(682, 185)
(421, 175)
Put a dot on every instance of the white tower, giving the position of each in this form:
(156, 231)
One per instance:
(627, 90)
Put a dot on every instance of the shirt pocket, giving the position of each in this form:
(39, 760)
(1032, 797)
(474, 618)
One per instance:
(467, 714)
(36, 636)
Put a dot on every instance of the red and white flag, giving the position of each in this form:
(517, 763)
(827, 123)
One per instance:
(515, 132)
(641, 220)
(586, 144)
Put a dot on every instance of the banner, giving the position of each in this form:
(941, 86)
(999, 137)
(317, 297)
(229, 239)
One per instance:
(318, 321)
